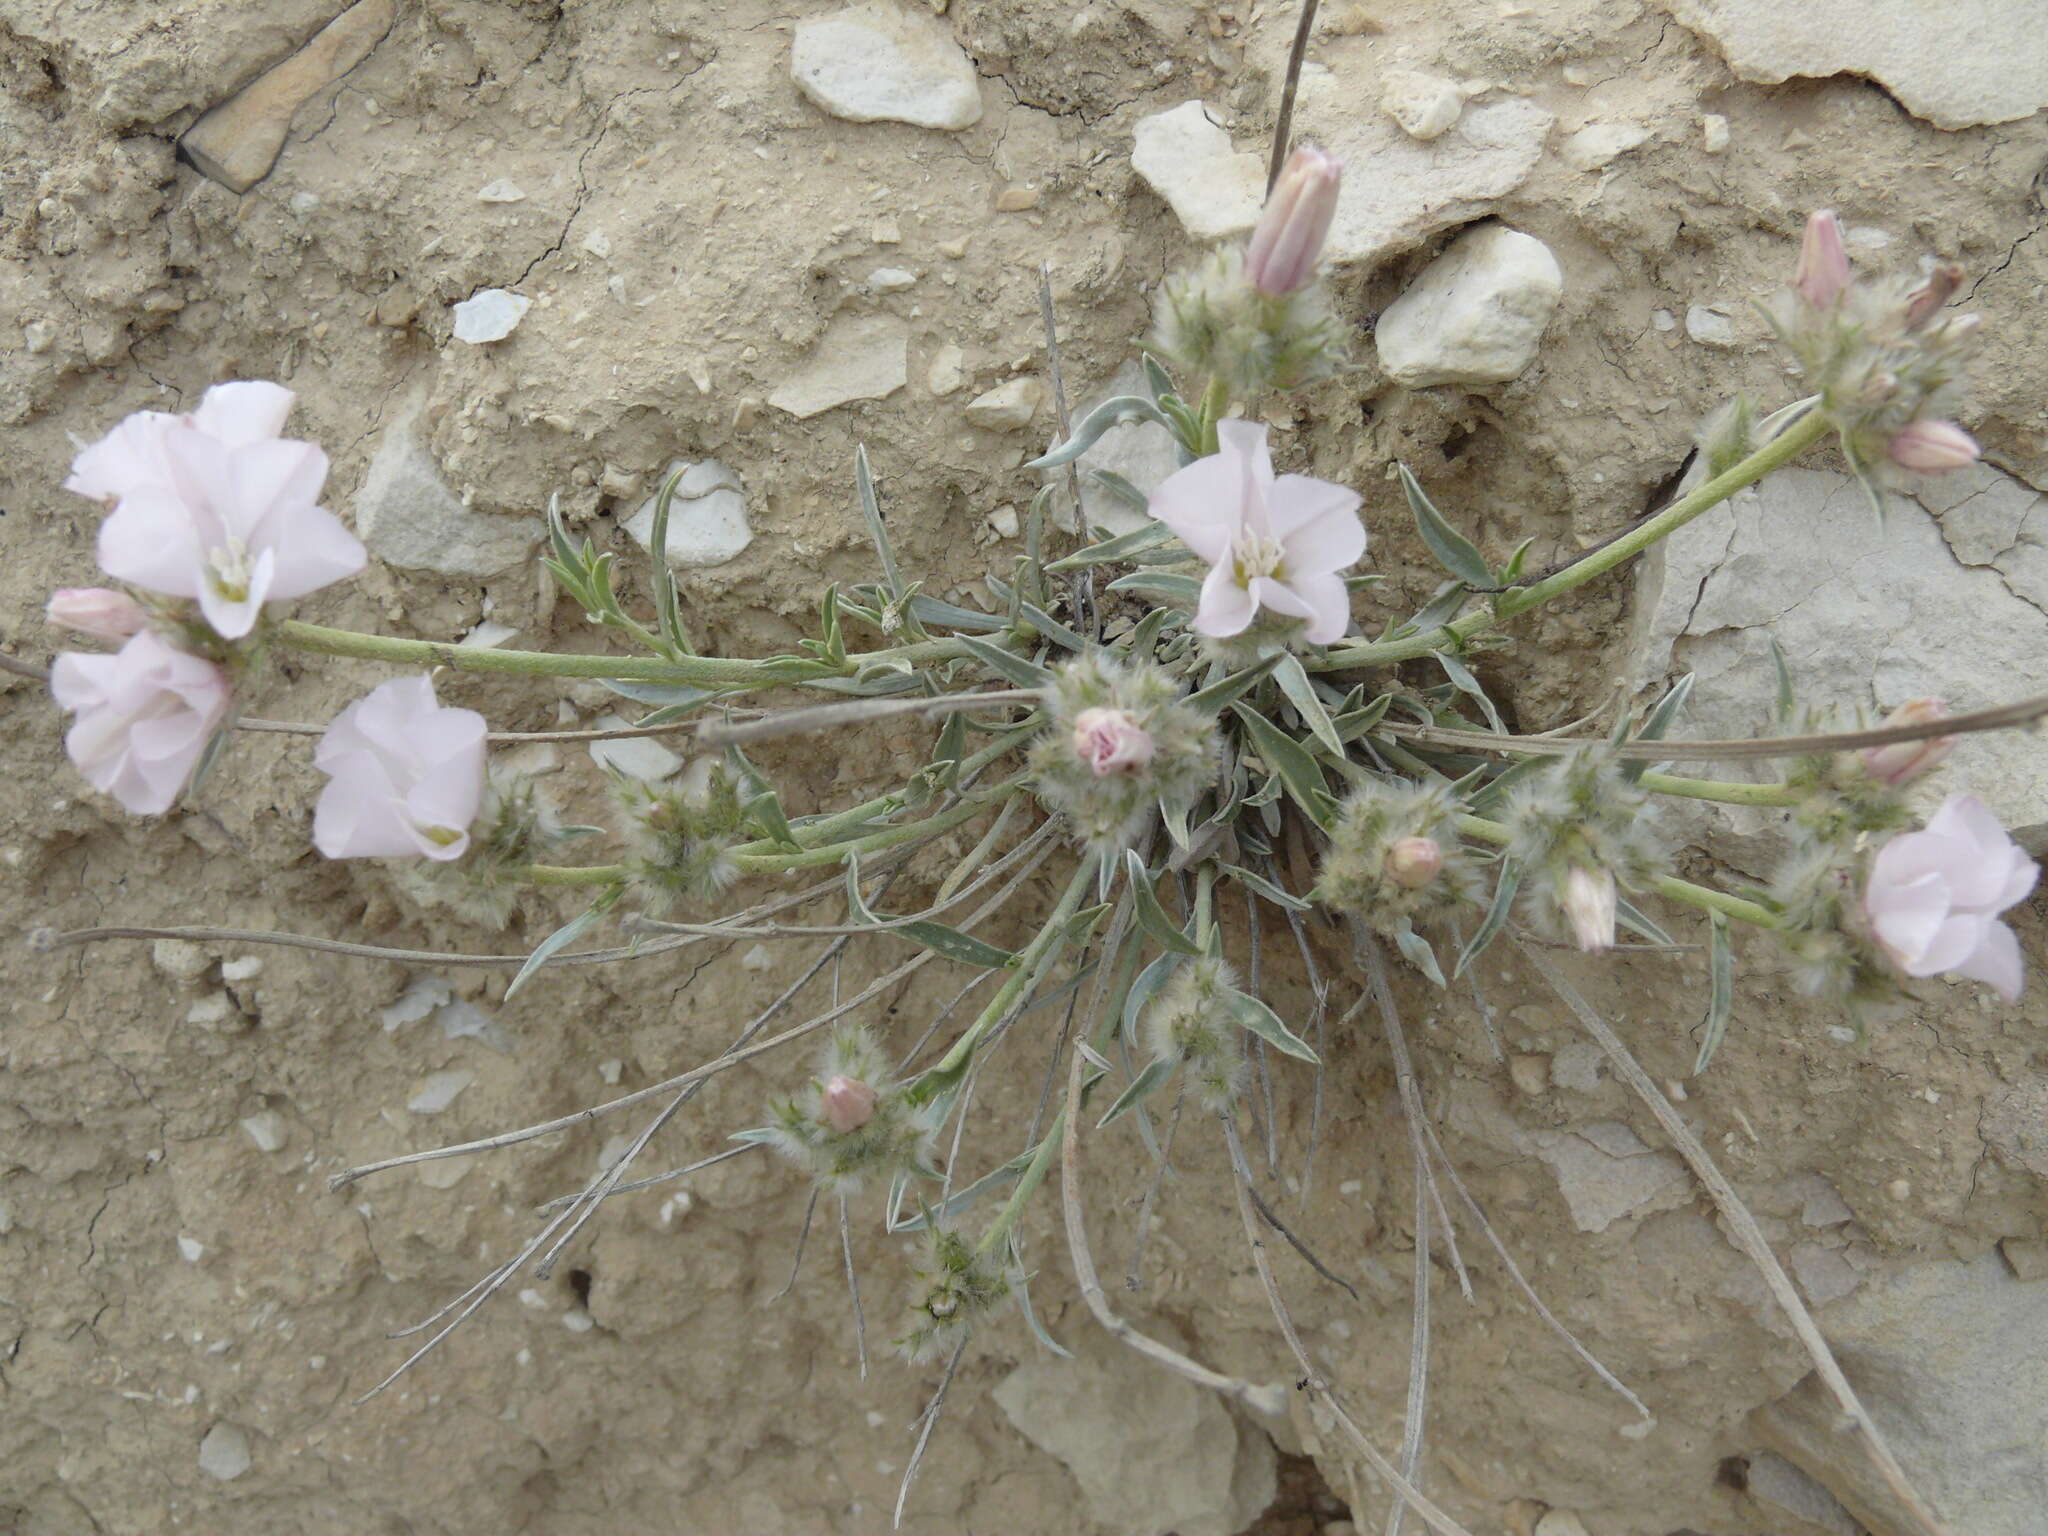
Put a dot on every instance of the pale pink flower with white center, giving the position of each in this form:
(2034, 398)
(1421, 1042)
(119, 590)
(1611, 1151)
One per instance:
(1931, 446)
(1589, 903)
(1823, 270)
(1280, 543)
(1899, 762)
(97, 611)
(846, 1104)
(1934, 897)
(1111, 741)
(215, 506)
(407, 776)
(1288, 240)
(1414, 862)
(145, 715)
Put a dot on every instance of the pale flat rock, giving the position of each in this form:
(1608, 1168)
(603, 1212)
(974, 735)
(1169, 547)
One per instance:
(946, 371)
(707, 519)
(422, 995)
(859, 358)
(1946, 1356)
(1187, 159)
(1007, 407)
(1958, 66)
(1946, 602)
(409, 517)
(1596, 144)
(437, 1090)
(266, 1129)
(490, 314)
(637, 757)
(1774, 1481)
(1475, 315)
(1143, 452)
(1604, 1183)
(1425, 105)
(885, 62)
(224, 1453)
(1399, 191)
(237, 142)
(1152, 1453)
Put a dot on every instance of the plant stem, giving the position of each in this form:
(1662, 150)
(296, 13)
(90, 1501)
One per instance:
(1720, 789)
(1780, 450)
(1215, 401)
(1736, 907)
(575, 874)
(1027, 1186)
(832, 853)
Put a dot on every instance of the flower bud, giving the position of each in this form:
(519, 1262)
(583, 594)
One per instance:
(98, 611)
(1823, 270)
(1588, 902)
(1288, 241)
(1898, 762)
(846, 1104)
(1412, 862)
(1931, 446)
(1924, 302)
(1111, 741)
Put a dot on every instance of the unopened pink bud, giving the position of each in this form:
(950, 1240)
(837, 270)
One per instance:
(1898, 762)
(1924, 302)
(1414, 861)
(1110, 741)
(97, 611)
(1932, 447)
(1288, 240)
(1589, 898)
(846, 1104)
(1823, 270)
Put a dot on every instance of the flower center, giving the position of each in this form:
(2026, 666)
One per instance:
(1258, 554)
(228, 569)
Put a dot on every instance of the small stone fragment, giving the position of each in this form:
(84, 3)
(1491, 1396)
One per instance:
(237, 142)
(1015, 199)
(1004, 522)
(38, 335)
(878, 62)
(409, 517)
(1530, 1074)
(1709, 327)
(1213, 190)
(1593, 146)
(2027, 1258)
(491, 314)
(1424, 105)
(610, 1071)
(214, 1011)
(1713, 133)
(598, 243)
(1560, 1522)
(1008, 406)
(859, 358)
(947, 371)
(242, 968)
(503, 190)
(887, 231)
(224, 1453)
(707, 518)
(422, 995)
(266, 1129)
(576, 1320)
(757, 959)
(191, 1249)
(890, 279)
(438, 1090)
(637, 757)
(1475, 315)
(179, 958)
(487, 633)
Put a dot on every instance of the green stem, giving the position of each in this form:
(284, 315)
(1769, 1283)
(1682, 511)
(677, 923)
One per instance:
(832, 853)
(1027, 1186)
(1215, 401)
(1780, 450)
(1667, 885)
(1721, 790)
(575, 874)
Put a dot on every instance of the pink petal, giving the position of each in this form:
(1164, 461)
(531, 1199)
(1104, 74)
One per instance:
(1246, 442)
(1330, 601)
(358, 814)
(276, 477)
(1996, 961)
(242, 412)
(1226, 608)
(1317, 522)
(1280, 598)
(1907, 914)
(231, 617)
(127, 458)
(1981, 856)
(151, 539)
(202, 475)
(316, 552)
(1958, 938)
(1203, 504)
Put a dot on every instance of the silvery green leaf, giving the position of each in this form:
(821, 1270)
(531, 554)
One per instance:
(1022, 1288)
(930, 610)
(1052, 628)
(1659, 723)
(1098, 421)
(1496, 789)
(1122, 547)
(1016, 669)
(663, 695)
(1509, 878)
(1633, 918)
(1150, 914)
(1721, 989)
(871, 509)
(1453, 550)
(561, 938)
(1175, 820)
(1787, 698)
(857, 909)
(1121, 489)
(1416, 948)
(1299, 771)
(1441, 608)
(1156, 1072)
(661, 577)
(1293, 681)
(1462, 679)
(1512, 571)
(1144, 989)
(1265, 1023)
(756, 1135)
(1157, 379)
(1265, 888)
(952, 944)
(998, 1178)
(1183, 592)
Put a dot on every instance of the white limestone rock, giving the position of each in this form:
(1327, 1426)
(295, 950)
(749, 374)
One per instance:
(438, 1090)
(884, 62)
(409, 517)
(1425, 105)
(1596, 144)
(707, 520)
(490, 314)
(1969, 63)
(1007, 407)
(862, 357)
(637, 757)
(1475, 315)
(1187, 159)
(224, 1453)
(1606, 1173)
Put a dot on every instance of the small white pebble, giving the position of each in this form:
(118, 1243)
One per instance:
(503, 190)
(756, 959)
(1663, 320)
(578, 1321)
(675, 1208)
(241, 968)
(532, 1298)
(266, 1129)
(1713, 133)
(1899, 1189)
(191, 1248)
(1351, 1187)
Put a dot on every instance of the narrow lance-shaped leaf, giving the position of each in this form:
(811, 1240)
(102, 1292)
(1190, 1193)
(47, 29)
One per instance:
(1150, 914)
(1156, 1072)
(1017, 669)
(1659, 723)
(1299, 771)
(1505, 885)
(1293, 680)
(563, 937)
(871, 509)
(1265, 1023)
(1122, 547)
(660, 576)
(1462, 679)
(1720, 990)
(1098, 421)
(1145, 988)
(1456, 553)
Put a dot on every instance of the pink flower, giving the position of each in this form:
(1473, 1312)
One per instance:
(1110, 741)
(1934, 897)
(1288, 241)
(407, 776)
(1589, 901)
(144, 716)
(1899, 762)
(1270, 543)
(215, 506)
(1414, 861)
(97, 611)
(1931, 446)
(846, 1104)
(1823, 270)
